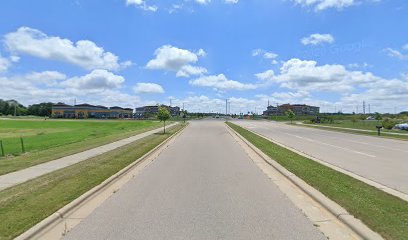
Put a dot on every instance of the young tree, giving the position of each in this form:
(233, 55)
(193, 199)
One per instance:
(378, 116)
(290, 114)
(163, 115)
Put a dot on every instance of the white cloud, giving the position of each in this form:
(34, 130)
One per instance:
(231, 1)
(142, 5)
(405, 47)
(83, 53)
(316, 39)
(4, 64)
(308, 76)
(178, 60)
(49, 78)
(96, 80)
(395, 53)
(220, 82)
(203, 2)
(320, 5)
(189, 70)
(265, 54)
(268, 75)
(148, 88)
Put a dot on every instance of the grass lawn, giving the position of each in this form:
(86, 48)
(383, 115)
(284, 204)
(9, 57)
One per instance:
(23, 206)
(46, 140)
(366, 125)
(383, 213)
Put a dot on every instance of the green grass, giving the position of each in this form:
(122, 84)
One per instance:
(384, 213)
(365, 125)
(359, 126)
(23, 206)
(50, 139)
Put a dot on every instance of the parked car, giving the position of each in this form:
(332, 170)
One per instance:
(402, 126)
(370, 118)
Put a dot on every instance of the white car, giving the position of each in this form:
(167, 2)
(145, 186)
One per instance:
(402, 126)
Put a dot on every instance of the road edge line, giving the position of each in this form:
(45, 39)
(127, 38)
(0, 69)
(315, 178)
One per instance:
(44, 226)
(355, 224)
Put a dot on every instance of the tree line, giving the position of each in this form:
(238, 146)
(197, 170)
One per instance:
(14, 108)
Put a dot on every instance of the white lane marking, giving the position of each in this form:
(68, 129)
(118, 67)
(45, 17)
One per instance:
(342, 148)
(375, 145)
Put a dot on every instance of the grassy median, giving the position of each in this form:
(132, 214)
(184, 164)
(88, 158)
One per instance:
(384, 133)
(382, 212)
(23, 206)
(52, 139)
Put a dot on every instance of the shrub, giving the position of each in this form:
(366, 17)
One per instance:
(388, 123)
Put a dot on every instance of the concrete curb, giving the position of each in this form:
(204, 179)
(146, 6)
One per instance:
(53, 219)
(370, 182)
(350, 221)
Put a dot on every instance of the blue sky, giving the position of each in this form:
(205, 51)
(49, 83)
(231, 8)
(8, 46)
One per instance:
(331, 53)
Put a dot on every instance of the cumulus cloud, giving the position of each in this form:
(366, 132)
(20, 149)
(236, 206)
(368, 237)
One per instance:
(83, 53)
(178, 60)
(96, 80)
(4, 64)
(317, 38)
(231, 1)
(148, 88)
(307, 75)
(221, 82)
(49, 78)
(29, 89)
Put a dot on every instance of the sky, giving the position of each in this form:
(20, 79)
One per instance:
(335, 54)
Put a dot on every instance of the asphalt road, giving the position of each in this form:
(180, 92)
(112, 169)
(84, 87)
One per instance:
(382, 160)
(203, 186)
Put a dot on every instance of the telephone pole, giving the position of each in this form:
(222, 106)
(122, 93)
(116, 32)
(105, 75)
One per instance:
(364, 108)
(226, 107)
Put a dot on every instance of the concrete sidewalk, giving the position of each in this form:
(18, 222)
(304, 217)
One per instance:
(14, 178)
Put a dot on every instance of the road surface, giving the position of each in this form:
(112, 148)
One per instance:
(384, 161)
(203, 186)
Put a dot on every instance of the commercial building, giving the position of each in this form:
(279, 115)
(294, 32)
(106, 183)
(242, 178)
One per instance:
(149, 111)
(62, 110)
(298, 109)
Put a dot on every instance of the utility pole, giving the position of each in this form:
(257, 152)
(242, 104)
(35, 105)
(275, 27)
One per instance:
(364, 107)
(226, 107)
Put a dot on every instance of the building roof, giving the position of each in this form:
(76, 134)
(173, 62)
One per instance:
(61, 105)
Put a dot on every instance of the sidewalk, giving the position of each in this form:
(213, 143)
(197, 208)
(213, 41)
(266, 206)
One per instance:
(14, 178)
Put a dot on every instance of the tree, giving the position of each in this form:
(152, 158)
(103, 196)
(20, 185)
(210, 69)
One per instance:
(163, 115)
(290, 114)
(378, 116)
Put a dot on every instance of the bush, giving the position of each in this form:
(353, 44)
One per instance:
(388, 123)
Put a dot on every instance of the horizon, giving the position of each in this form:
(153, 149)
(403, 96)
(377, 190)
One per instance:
(131, 53)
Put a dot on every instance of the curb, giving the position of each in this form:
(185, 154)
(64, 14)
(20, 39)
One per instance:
(40, 227)
(370, 182)
(339, 212)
